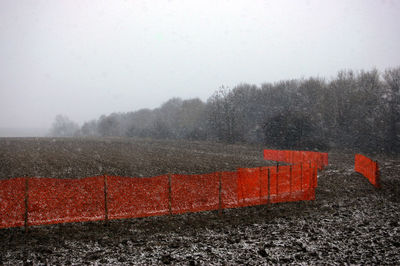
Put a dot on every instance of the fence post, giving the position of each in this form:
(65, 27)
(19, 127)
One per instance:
(290, 182)
(301, 176)
(269, 188)
(277, 181)
(219, 194)
(311, 184)
(26, 204)
(259, 181)
(105, 198)
(169, 195)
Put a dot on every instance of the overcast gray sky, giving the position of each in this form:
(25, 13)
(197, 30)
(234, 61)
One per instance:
(87, 58)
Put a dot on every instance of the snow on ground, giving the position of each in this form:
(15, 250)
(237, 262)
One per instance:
(349, 222)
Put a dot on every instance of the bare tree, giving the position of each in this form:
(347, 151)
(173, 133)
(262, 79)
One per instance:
(110, 125)
(357, 110)
(90, 128)
(222, 115)
(392, 82)
(64, 127)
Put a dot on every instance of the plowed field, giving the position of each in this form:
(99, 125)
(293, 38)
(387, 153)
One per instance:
(349, 222)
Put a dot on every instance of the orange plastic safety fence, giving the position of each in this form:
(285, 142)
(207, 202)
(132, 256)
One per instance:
(273, 174)
(284, 182)
(367, 168)
(96, 198)
(295, 157)
(229, 189)
(249, 186)
(129, 197)
(54, 200)
(12, 205)
(281, 156)
(265, 186)
(275, 155)
(269, 155)
(297, 179)
(301, 190)
(310, 162)
(193, 193)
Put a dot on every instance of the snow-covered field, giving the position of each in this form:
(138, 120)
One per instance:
(349, 222)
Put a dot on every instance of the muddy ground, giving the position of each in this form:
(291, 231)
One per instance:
(82, 157)
(350, 222)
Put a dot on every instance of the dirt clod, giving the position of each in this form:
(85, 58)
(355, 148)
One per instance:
(166, 259)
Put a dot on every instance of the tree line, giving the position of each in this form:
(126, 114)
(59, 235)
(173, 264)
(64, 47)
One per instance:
(357, 110)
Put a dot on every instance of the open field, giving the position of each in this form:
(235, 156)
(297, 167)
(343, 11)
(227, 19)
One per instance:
(74, 158)
(349, 222)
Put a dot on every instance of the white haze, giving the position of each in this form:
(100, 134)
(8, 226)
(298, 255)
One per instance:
(87, 58)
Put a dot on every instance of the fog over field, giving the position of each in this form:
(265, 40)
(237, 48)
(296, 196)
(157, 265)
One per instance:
(23, 132)
(90, 58)
(199, 132)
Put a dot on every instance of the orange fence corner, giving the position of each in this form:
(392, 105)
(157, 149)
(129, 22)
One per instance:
(36, 201)
(368, 168)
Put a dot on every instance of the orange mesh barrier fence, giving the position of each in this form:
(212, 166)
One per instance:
(273, 180)
(49, 200)
(297, 157)
(129, 197)
(281, 155)
(275, 155)
(54, 200)
(249, 186)
(285, 156)
(229, 190)
(193, 193)
(266, 174)
(269, 155)
(307, 177)
(297, 178)
(306, 156)
(297, 185)
(264, 184)
(284, 183)
(295, 182)
(12, 206)
(308, 162)
(367, 168)
(294, 157)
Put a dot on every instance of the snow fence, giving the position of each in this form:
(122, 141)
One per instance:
(368, 168)
(295, 157)
(35, 201)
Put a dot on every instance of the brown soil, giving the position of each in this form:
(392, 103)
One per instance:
(349, 222)
(74, 158)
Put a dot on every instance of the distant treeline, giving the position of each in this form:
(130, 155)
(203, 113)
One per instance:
(358, 110)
